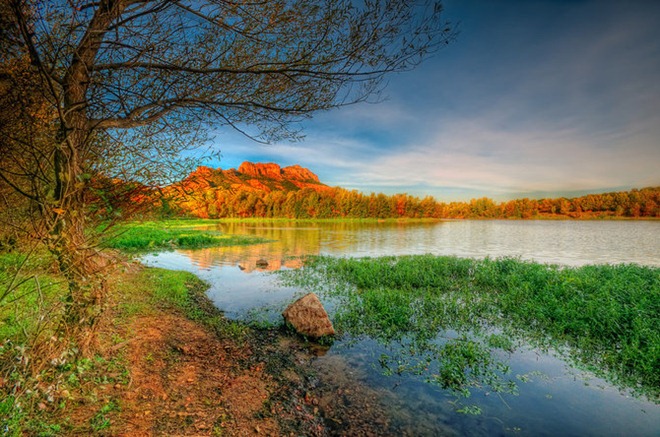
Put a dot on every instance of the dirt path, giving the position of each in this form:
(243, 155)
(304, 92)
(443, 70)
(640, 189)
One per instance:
(180, 378)
(184, 381)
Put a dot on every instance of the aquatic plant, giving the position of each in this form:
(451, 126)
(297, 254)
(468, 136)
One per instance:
(604, 318)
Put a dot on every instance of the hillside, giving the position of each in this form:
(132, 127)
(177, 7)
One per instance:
(253, 177)
(270, 191)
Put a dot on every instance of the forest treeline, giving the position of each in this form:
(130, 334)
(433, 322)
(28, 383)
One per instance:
(342, 203)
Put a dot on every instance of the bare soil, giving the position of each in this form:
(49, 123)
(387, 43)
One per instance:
(183, 379)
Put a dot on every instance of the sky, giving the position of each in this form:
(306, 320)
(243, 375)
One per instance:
(535, 98)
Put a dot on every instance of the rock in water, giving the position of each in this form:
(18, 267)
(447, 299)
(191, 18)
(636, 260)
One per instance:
(308, 317)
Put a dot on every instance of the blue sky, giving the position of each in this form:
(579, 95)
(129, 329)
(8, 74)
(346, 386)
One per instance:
(534, 98)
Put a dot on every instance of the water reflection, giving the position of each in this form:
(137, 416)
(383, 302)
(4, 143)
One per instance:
(248, 259)
(560, 242)
(559, 403)
(443, 338)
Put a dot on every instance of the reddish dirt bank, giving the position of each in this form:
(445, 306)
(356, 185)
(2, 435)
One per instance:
(184, 381)
(189, 378)
(181, 378)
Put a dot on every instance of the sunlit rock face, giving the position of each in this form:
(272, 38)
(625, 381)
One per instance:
(265, 177)
(258, 170)
(215, 193)
(296, 172)
(308, 317)
(275, 172)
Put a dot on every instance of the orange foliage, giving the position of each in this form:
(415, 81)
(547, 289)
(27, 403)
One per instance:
(268, 191)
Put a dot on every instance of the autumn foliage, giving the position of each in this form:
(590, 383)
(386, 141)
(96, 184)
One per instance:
(268, 191)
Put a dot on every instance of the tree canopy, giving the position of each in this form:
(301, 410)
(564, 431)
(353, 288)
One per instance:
(167, 69)
(124, 87)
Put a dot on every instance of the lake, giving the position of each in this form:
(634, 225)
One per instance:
(554, 398)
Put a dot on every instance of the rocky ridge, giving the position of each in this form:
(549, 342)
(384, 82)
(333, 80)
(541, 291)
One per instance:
(275, 172)
(255, 177)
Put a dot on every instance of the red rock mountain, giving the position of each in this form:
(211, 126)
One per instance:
(275, 172)
(254, 177)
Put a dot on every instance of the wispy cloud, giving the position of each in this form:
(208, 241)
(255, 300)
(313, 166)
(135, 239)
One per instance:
(535, 96)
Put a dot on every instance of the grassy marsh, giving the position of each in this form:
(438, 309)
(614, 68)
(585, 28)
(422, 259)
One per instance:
(171, 234)
(447, 316)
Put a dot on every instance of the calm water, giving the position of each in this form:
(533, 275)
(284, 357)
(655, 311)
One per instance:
(557, 399)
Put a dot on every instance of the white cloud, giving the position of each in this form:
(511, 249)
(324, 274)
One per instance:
(573, 106)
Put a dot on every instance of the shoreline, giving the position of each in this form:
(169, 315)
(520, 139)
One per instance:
(152, 317)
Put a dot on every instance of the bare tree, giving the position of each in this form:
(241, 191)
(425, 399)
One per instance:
(133, 83)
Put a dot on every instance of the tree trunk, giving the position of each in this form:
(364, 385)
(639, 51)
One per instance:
(69, 242)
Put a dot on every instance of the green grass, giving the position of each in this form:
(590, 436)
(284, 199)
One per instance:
(30, 313)
(179, 291)
(443, 312)
(171, 234)
(32, 299)
(26, 407)
(28, 288)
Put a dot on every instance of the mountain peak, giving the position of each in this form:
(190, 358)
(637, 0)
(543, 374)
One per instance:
(273, 171)
(268, 170)
(297, 172)
(254, 177)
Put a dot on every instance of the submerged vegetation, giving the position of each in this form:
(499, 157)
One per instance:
(171, 234)
(445, 317)
(449, 321)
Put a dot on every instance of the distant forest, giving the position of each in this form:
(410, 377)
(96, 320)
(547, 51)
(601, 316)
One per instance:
(341, 203)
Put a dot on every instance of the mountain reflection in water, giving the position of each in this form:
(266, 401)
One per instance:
(556, 398)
